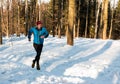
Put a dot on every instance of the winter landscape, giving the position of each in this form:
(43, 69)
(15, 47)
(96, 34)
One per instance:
(79, 40)
(89, 61)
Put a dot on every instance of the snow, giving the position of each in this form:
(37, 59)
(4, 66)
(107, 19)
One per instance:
(89, 61)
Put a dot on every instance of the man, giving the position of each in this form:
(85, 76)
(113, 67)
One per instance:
(39, 33)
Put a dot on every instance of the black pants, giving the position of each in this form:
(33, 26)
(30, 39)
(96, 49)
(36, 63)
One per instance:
(38, 49)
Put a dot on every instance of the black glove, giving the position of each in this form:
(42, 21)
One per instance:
(29, 39)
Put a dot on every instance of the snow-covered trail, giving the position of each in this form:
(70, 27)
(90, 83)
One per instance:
(89, 61)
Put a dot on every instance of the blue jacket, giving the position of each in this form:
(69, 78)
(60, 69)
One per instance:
(37, 34)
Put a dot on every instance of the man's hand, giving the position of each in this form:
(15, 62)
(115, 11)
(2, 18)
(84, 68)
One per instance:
(42, 37)
(29, 39)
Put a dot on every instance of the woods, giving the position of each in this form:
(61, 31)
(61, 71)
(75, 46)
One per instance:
(70, 18)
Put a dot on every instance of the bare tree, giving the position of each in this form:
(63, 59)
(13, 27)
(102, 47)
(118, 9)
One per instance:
(71, 18)
(36, 11)
(8, 17)
(78, 24)
(86, 26)
(26, 16)
(74, 30)
(0, 22)
(18, 22)
(97, 15)
(4, 20)
(105, 18)
(33, 10)
(101, 20)
(59, 18)
(111, 26)
(53, 29)
(75, 18)
(13, 16)
(39, 10)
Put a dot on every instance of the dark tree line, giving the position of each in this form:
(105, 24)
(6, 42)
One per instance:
(71, 18)
(88, 18)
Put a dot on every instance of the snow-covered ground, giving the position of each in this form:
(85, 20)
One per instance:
(89, 61)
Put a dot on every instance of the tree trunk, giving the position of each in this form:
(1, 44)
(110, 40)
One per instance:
(111, 26)
(26, 16)
(18, 27)
(62, 12)
(59, 19)
(101, 21)
(13, 10)
(8, 22)
(40, 10)
(53, 29)
(78, 27)
(74, 31)
(71, 18)
(66, 28)
(105, 18)
(36, 11)
(78, 24)
(97, 16)
(86, 27)
(0, 23)
(74, 25)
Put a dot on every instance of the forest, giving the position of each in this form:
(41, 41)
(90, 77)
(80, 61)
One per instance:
(98, 19)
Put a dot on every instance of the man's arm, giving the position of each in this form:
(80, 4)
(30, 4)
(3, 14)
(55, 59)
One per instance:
(30, 33)
(46, 34)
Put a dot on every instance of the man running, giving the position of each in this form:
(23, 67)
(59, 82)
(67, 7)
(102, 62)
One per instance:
(39, 33)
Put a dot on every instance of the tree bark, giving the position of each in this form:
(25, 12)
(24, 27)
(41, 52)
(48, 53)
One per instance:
(53, 29)
(111, 26)
(101, 21)
(0, 23)
(74, 31)
(86, 27)
(97, 16)
(36, 11)
(26, 16)
(13, 10)
(71, 18)
(8, 22)
(59, 19)
(40, 10)
(105, 18)
(78, 24)
(18, 27)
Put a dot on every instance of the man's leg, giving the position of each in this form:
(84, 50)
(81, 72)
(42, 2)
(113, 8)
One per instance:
(35, 47)
(39, 50)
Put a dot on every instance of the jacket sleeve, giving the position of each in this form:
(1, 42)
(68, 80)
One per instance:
(46, 34)
(30, 33)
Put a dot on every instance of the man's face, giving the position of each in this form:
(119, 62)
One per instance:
(39, 26)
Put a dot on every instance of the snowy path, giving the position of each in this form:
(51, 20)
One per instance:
(89, 61)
